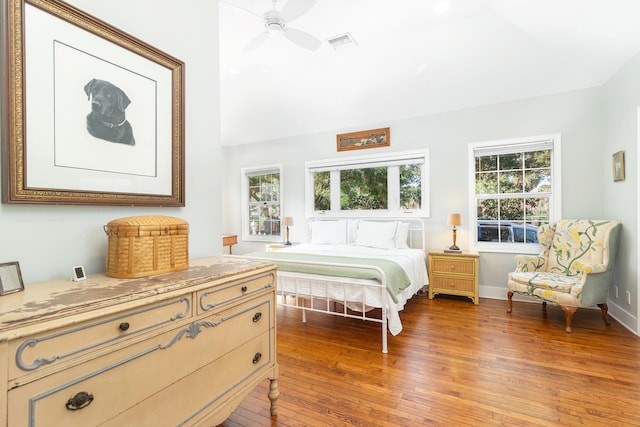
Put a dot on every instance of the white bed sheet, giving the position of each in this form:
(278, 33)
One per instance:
(352, 290)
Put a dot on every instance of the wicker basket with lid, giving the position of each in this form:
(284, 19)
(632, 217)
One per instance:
(146, 245)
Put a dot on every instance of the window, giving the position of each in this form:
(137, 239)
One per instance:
(262, 203)
(516, 187)
(391, 184)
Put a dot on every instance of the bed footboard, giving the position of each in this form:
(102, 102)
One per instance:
(322, 295)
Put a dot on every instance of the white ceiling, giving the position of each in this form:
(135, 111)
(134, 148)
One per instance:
(411, 61)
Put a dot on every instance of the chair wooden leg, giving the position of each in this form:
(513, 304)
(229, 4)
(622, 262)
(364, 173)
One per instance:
(604, 308)
(509, 296)
(568, 314)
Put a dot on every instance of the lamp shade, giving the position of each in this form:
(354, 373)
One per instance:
(454, 219)
(287, 221)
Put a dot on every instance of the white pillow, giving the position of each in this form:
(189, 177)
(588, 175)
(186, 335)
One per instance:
(329, 232)
(402, 236)
(377, 234)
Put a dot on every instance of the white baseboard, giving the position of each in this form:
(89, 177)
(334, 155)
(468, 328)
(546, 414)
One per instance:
(623, 317)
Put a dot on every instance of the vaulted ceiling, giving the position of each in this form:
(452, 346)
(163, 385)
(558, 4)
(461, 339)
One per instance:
(411, 58)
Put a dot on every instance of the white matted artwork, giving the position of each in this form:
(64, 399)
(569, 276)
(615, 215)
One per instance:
(101, 120)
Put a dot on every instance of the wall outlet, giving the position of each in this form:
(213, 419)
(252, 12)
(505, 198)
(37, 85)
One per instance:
(615, 292)
(628, 297)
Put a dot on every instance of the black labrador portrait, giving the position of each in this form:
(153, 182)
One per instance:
(107, 119)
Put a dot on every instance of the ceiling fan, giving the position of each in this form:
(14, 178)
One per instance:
(275, 22)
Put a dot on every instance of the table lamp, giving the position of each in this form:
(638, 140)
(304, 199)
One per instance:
(454, 220)
(287, 221)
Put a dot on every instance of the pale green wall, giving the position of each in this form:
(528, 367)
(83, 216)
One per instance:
(620, 199)
(576, 115)
(49, 240)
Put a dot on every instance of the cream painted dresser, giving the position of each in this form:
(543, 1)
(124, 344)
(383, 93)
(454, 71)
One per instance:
(183, 348)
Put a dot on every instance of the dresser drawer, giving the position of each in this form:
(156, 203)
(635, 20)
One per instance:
(62, 345)
(453, 283)
(120, 380)
(211, 300)
(454, 266)
(203, 393)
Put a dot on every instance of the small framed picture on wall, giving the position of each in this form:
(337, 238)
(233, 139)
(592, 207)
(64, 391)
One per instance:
(618, 166)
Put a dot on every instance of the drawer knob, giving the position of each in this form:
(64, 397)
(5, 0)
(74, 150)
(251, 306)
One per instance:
(257, 358)
(79, 401)
(244, 289)
(124, 326)
(257, 317)
(453, 267)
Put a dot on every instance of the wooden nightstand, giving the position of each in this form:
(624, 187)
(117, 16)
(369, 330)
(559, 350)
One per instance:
(453, 274)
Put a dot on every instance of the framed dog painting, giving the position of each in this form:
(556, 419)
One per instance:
(94, 115)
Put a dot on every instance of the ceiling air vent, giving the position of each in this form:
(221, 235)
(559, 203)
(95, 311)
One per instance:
(342, 40)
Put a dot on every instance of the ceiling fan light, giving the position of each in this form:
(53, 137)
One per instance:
(274, 27)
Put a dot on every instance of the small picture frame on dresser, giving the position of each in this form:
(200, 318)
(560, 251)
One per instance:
(10, 278)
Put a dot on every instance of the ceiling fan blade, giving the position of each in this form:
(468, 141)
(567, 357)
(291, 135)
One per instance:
(257, 41)
(302, 39)
(294, 9)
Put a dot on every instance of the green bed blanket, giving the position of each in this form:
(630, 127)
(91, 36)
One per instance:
(397, 278)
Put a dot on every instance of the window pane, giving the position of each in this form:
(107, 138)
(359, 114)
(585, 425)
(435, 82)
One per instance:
(537, 159)
(321, 191)
(486, 163)
(510, 161)
(363, 189)
(512, 209)
(487, 209)
(487, 183)
(537, 210)
(410, 186)
(537, 181)
(511, 182)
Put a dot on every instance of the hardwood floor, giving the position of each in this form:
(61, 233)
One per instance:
(454, 363)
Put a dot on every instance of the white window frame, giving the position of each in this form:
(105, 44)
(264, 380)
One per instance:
(388, 159)
(244, 176)
(513, 146)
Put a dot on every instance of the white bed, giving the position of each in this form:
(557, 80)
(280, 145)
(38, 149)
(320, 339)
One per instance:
(354, 245)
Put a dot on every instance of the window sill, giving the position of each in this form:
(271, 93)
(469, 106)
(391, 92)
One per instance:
(508, 248)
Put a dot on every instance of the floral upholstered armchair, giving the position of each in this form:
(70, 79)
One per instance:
(574, 268)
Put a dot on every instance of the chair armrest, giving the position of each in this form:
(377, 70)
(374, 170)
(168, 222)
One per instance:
(529, 263)
(591, 274)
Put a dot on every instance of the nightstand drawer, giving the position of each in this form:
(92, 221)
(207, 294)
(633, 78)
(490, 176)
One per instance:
(453, 283)
(452, 265)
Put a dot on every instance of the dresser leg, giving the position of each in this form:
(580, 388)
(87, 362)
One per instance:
(273, 394)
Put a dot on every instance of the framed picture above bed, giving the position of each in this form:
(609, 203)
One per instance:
(94, 116)
(364, 139)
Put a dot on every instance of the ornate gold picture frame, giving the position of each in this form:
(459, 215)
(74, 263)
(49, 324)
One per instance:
(94, 116)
